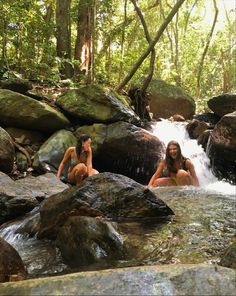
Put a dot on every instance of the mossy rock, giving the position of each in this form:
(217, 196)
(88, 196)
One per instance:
(167, 100)
(20, 111)
(95, 103)
(229, 257)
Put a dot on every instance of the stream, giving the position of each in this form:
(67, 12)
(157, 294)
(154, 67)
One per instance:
(203, 225)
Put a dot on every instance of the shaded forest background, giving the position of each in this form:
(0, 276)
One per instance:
(99, 41)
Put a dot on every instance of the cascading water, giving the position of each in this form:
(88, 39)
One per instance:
(166, 131)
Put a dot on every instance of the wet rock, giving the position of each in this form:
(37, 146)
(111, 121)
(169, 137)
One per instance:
(111, 195)
(195, 128)
(125, 149)
(229, 257)
(208, 117)
(7, 152)
(15, 200)
(11, 264)
(42, 186)
(174, 280)
(203, 138)
(223, 104)
(21, 196)
(221, 148)
(85, 240)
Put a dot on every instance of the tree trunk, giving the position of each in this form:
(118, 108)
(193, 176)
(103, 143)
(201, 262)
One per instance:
(153, 53)
(123, 41)
(64, 37)
(48, 18)
(139, 97)
(151, 46)
(206, 49)
(3, 62)
(84, 40)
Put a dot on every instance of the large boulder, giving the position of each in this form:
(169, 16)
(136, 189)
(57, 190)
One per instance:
(7, 152)
(95, 103)
(105, 194)
(196, 127)
(21, 196)
(20, 111)
(86, 240)
(208, 117)
(125, 149)
(221, 148)
(167, 100)
(174, 280)
(17, 85)
(50, 154)
(11, 264)
(223, 104)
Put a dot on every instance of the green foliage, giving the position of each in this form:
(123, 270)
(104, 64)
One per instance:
(28, 43)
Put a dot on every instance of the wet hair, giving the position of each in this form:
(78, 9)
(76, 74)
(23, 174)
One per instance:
(82, 138)
(169, 160)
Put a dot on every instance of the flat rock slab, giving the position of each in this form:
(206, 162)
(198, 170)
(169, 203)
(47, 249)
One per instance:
(146, 280)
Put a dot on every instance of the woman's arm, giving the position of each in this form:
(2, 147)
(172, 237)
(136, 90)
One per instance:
(65, 159)
(192, 172)
(89, 162)
(157, 174)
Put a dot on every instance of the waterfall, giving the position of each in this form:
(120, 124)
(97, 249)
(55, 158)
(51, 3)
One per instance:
(166, 131)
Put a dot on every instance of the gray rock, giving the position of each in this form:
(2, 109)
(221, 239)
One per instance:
(167, 100)
(20, 111)
(50, 154)
(21, 196)
(7, 152)
(86, 240)
(221, 148)
(223, 104)
(172, 280)
(124, 148)
(95, 103)
(105, 194)
(11, 264)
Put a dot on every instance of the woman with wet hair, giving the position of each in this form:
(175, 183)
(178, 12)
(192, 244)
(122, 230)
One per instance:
(80, 161)
(175, 169)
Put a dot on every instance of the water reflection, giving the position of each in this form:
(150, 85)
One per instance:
(203, 227)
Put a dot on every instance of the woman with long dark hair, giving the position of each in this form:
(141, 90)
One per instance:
(175, 169)
(80, 161)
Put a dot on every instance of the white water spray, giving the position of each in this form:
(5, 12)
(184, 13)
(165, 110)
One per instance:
(166, 131)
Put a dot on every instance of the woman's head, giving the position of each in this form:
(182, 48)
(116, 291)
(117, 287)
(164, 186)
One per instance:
(173, 153)
(83, 144)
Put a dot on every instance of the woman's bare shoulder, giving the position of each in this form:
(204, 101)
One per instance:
(188, 162)
(70, 150)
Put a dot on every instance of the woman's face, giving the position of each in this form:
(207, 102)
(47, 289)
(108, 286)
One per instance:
(173, 151)
(86, 145)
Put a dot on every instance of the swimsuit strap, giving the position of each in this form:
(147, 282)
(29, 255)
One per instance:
(184, 164)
